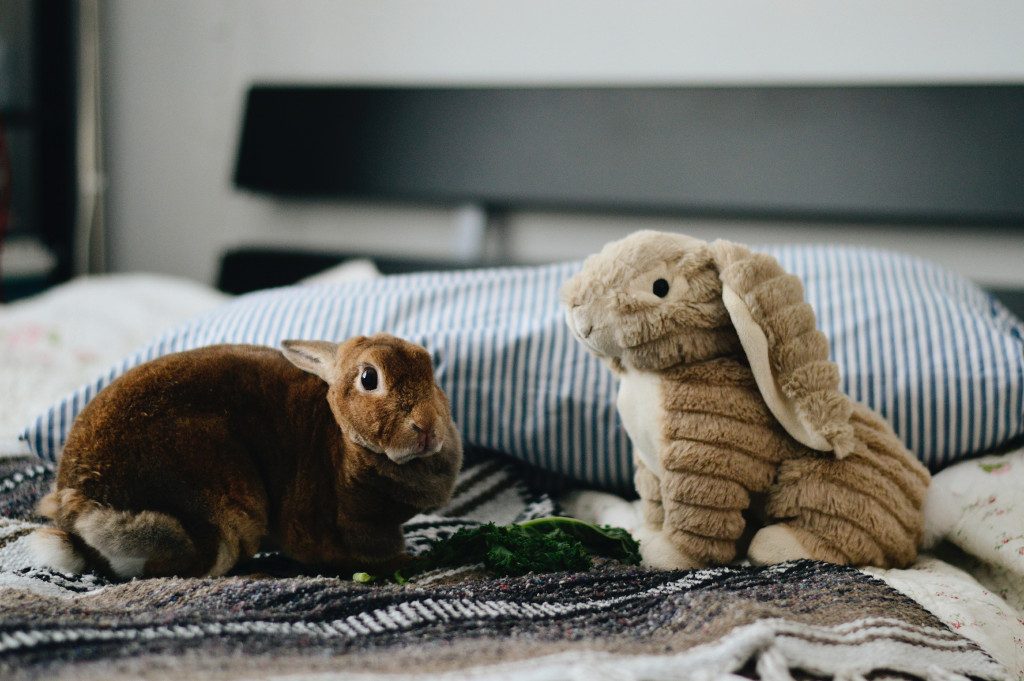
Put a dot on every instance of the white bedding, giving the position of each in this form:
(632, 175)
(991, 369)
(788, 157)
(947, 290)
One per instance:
(973, 578)
(55, 342)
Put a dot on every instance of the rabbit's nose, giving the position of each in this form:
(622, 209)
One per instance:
(424, 436)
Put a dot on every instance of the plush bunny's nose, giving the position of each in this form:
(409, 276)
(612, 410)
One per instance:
(581, 322)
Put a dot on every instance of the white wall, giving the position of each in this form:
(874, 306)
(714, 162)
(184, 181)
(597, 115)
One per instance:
(175, 74)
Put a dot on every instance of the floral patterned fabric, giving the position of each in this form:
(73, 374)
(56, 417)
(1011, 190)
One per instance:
(978, 506)
(974, 579)
(52, 343)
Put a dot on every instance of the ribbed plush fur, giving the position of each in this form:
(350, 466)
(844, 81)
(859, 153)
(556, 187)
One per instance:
(744, 407)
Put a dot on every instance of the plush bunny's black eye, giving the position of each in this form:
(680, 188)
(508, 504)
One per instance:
(368, 379)
(660, 288)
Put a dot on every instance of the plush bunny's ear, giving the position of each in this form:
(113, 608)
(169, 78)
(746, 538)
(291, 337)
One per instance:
(787, 353)
(316, 357)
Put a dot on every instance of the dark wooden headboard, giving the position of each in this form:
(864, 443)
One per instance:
(894, 154)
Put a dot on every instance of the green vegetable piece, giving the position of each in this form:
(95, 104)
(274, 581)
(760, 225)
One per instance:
(552, 544)
(611, 542)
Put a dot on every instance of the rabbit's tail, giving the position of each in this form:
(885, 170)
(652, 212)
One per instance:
(55, 549)
(121, 544)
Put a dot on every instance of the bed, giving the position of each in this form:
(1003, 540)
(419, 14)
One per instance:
(958, 608)
(958, 613)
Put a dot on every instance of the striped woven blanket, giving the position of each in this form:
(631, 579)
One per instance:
(272, 620)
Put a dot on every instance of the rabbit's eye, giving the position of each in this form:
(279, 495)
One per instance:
(368, 379)
(660, 288)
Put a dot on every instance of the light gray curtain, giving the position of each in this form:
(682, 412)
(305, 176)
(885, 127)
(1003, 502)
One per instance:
(90, 242)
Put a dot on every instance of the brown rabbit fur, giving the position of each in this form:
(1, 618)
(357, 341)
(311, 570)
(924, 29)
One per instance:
(192, 462)
(727, 393)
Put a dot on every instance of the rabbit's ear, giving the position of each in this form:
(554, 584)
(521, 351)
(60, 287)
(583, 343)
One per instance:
(788, 355)
(316, 357)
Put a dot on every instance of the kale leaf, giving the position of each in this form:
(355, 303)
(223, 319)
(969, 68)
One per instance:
(551, 544)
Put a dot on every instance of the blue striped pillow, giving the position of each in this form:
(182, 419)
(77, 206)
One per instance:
(939, 357)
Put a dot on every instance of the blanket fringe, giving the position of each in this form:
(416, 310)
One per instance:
(772, 665)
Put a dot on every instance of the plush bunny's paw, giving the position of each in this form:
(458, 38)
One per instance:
(657, 551)
(776, 544)
(601, 508)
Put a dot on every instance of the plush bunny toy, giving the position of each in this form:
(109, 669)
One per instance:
(727, 392)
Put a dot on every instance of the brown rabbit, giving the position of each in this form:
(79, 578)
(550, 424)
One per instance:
(190, 463)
